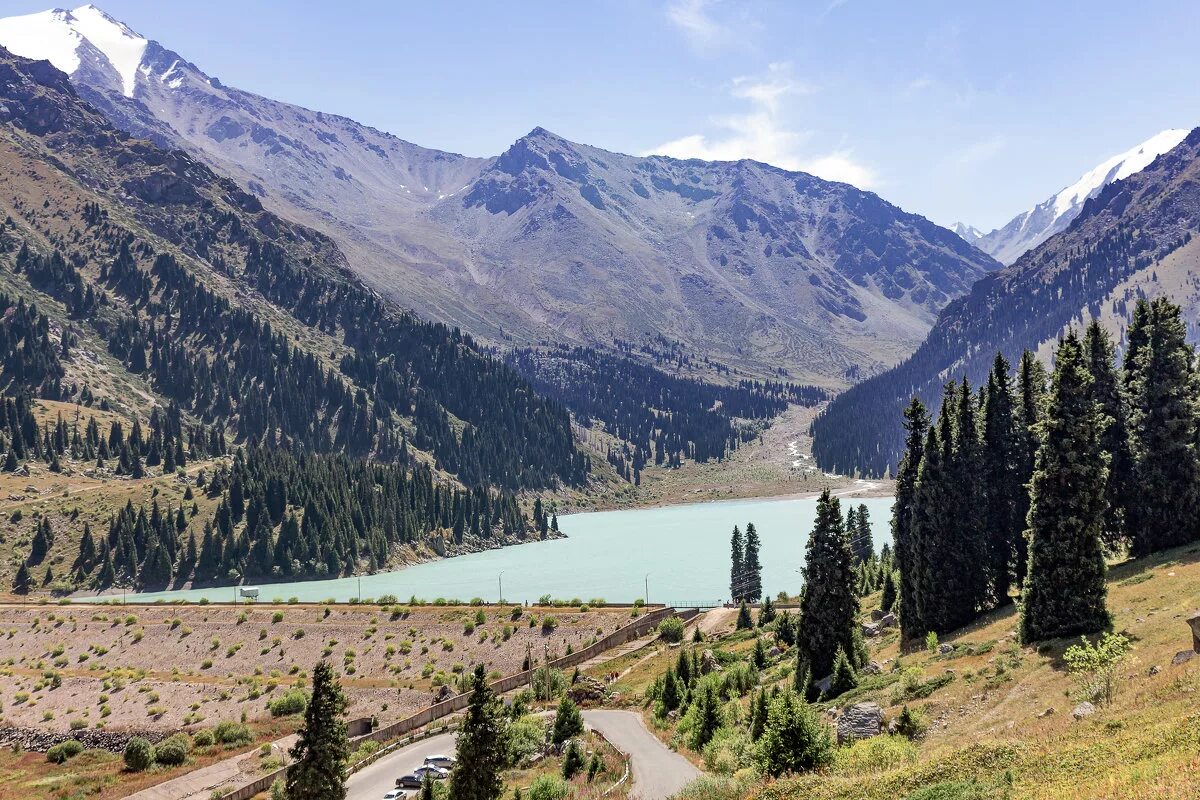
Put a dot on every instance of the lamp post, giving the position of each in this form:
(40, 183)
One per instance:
(500, 585)
(646, 592)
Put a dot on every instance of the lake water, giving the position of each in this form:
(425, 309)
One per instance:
(681, 551)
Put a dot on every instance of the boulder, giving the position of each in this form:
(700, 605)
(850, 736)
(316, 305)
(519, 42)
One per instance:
(870, 629)
(1194, 622)
(587, 689)
(1182, 657)
(872, 668)
(859, 721)
(708, 663)
(823, 685)
(945, 648)
(876, 614)
(1154, 670)
(888, 621)
(1049, 712)
(1082, 710)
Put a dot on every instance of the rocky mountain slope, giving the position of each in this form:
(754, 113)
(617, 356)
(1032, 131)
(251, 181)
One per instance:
(1030, 228)
(1135, 237)
(551, 240)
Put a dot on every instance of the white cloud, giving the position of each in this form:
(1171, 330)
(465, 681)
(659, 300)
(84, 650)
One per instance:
(692, 18)
(763, 135)
(980, 151)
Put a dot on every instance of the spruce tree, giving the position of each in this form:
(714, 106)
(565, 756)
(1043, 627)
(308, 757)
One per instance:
(916, 424)
(1109, 394)
(933, 516)
(23, 582)
(888, 596)
(862, 543)
(1031, 386)
(737, 570)
(828, 603)
(969, 587)
(1003, 485)
(1165, 510)
(318, 771)
(752, 565)
(1064, 591)
(482, 745)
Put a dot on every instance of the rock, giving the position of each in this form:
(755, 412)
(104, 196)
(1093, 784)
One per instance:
(586, 689)
(443, 693)
(774, 652)
(876, 614)
(91, 738)
(945, 648)
(1082, 710)
(1155, 670)
(888, 621)
(1049, 712)
(872, 668)
(708, 663)
(1182, 657)
(1194, 622)
(824, 684)
(870, 629)
(859, 721)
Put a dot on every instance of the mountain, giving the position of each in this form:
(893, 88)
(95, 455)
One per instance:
(1136, 237)
(551, 240)
(1030, 228)
(969, 233)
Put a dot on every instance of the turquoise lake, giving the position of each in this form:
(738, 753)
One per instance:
(681, 551)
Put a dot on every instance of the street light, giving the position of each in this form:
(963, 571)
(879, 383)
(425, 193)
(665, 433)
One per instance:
(646, 593)
(500, 584)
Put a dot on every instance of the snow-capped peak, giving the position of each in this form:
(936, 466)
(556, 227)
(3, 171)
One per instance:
(968, 232)
(1117, 168)
(58, 35)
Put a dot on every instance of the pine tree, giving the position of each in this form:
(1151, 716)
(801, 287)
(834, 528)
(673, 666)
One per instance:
(737, 570)
(862, 544)
(828, 603)
(23, 582)
(1003, 488)
(907, 557)
(758, 719)
(968, 540)
(1031, 386)
(744, 622)
(1064, 590)
(482, 745)
(844, 676)
(1165, 511)
(752, 565)
(1108, 393)
(568, 722)
(888, 596)
(318, 771)
(795, 738)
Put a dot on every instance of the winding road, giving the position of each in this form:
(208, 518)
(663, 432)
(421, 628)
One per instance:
(657, 771)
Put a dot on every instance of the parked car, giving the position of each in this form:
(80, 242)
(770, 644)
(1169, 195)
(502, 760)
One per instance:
(396, 794)
(409, 782)
(437, 773)
(445, 762)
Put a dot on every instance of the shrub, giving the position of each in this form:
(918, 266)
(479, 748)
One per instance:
(294, 702)
(568, 722)
(547, 787)
(572, 761)
(795, 738)
(203, 738)
(232, 733)
(877, 754)
(1094, 666)
(671, 630)
(139, 754)
(59, 753)
(525, 739)
(173, 751)
(728, 751)
(931, 641)
(549, 623)
(711, 787)
(910, 723)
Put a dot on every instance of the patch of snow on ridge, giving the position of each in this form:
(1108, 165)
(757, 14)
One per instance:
(120, 45)
(47, 36)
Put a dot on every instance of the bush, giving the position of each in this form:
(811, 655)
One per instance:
(709, 787)
(670, 630)
(59, 753)
(877, 754)
(547, 787)
(525, 739)
(728, 751)
(139, 754)
(911, 723)
(203, 738)
(549, 623)
(548, 683)
(173, 751)
(294, 702)
(1094, 666)
(232, 733)
(795, 739)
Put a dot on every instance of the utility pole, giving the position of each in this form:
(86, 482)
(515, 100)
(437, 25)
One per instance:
(646, 593)
(500, 583)
(360, 588)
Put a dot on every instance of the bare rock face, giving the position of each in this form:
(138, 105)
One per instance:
(1083, 710)
(859, 721)
(587, 689)
(1194, 622)
(708, 663)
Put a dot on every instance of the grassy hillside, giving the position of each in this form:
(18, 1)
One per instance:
(998, 714)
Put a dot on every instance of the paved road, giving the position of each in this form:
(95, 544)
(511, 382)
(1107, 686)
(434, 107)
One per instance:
(658, 772)
(373, 782)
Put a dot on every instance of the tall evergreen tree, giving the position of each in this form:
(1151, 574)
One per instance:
(916, 425)
(1165, 510)
(1031, 386)
(752, 565)
(482, 745)
(1003, 487)
(828, 602)
(737, 567)
(1109, 394)
(970, 544)
(318, 771)
(1064, 591)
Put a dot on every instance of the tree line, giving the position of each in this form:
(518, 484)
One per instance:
(1023, 487)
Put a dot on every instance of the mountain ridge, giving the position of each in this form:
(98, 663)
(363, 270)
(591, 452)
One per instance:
(712, 256)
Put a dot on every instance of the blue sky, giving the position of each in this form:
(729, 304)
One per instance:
(962, 110)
